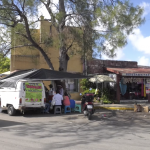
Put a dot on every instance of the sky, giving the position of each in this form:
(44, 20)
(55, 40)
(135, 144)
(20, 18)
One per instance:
(138, 47)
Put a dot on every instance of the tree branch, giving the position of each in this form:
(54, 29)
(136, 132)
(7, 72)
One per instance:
(8, 50)
(22, 35)
(23, 5)
(70, 45)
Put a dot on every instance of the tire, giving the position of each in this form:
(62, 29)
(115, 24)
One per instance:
(89, 116)
(11, 111)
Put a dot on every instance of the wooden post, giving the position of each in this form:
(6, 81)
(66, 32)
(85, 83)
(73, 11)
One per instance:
(149, 97)
(118, 88)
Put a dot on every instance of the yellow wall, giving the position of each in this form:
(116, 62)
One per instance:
(27, 58)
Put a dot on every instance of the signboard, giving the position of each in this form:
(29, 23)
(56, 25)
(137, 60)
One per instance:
(148, 80)
(136, 74)
(33, 92)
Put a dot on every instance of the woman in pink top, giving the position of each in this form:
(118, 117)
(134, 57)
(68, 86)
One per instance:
(66, 100)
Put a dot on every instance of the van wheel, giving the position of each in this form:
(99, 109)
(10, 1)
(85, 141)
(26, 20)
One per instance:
(11, 111)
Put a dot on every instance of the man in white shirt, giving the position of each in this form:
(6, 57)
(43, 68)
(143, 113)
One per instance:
(58, 98)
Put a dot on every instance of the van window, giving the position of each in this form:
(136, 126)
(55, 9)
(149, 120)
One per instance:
(24, 86)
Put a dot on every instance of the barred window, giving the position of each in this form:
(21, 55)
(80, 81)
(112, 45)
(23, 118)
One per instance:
(72, 85)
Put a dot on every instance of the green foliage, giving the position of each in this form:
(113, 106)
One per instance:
(4, 64)
(85, 84)
(117, 21)
(107, 97)
(106, 94)
(89, 91)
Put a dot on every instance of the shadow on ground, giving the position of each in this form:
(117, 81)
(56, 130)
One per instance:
(5, 123)
(105, 125)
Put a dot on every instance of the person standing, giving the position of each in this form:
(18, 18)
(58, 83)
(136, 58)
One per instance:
(51, 92)
(61, 90)
(47, 107)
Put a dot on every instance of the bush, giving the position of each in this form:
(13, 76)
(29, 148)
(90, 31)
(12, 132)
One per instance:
(107, 94)
(107, 98)
(85, 84)
(89, 91)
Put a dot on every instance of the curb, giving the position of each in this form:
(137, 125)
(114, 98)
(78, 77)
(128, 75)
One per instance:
(114, 108)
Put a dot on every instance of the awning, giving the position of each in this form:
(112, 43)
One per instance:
(41, 74)
(101, 78)
(130, 71)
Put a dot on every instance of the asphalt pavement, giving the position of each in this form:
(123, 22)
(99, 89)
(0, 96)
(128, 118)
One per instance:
(108, 130)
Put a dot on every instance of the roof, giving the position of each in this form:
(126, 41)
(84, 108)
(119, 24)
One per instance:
(140, 66)
(40, 74)
(6, 73)
(130, 71)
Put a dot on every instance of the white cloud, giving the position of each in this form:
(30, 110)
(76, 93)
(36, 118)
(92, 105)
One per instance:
(144, 61)
(119, 55)
(140, 42)
(146, 7)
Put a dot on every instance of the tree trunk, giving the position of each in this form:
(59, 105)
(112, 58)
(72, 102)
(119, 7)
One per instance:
(63, 59)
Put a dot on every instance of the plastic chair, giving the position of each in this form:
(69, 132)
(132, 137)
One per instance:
(67, 109)
(57, 109)
(78, 108)
(72, 104)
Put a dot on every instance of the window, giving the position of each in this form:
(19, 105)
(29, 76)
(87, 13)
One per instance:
(72, 85)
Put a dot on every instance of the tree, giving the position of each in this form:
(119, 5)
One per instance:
(80, 18)
(4, 64)
(117, 19)
(18, 17)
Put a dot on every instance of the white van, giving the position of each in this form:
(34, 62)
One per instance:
(25, 95)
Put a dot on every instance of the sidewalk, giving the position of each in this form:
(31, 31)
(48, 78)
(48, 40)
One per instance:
(117, 106)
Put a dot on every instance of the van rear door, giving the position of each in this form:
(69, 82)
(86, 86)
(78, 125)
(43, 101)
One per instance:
(34, 94)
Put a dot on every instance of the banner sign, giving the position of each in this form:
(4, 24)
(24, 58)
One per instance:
(33, 92)
(148, 80)
(136, 74)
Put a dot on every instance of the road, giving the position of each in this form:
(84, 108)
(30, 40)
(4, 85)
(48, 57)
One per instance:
(108, 130)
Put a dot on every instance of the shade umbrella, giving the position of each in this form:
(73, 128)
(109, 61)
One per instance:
(101, 78)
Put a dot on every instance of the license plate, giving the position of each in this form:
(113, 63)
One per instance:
(90, 106)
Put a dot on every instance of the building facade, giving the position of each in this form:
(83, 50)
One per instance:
(30, 58)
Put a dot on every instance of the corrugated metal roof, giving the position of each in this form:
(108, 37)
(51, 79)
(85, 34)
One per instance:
(129, 70)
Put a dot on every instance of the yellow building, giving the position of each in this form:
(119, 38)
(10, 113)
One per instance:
(29, 58)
